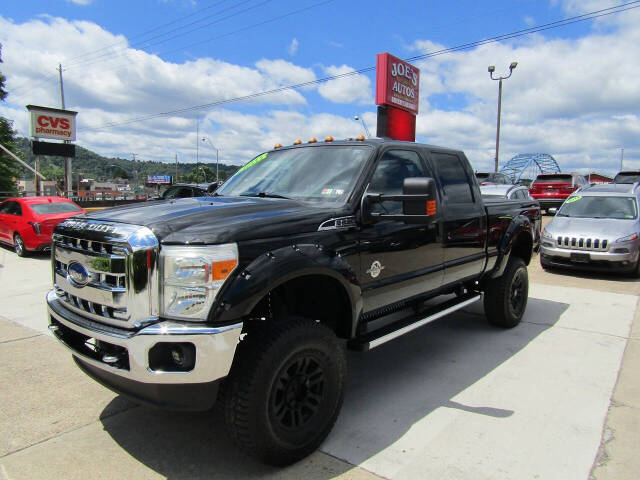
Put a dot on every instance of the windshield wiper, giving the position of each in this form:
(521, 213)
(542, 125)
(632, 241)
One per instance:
(264, 195)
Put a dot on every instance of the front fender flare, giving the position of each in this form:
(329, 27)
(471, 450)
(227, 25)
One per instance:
(276, 267)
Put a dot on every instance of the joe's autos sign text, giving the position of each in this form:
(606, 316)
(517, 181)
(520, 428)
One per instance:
(398, 83)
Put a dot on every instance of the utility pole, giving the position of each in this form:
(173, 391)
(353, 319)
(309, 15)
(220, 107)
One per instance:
(491, 70)
(621, 158)
(176, 179)
(68, 182)
(197, 144)
(61, 86)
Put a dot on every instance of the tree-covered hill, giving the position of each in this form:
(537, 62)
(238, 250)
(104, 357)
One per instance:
(89, 164)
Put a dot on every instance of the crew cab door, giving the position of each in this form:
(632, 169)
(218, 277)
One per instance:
(397, 260)
(463, 217)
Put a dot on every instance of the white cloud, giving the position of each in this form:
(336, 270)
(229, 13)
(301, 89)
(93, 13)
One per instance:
(81, 2)
(293, 47)
(573, 98)
(285, 73)
(354, 88)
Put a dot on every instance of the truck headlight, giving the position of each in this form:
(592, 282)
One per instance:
(192, 277)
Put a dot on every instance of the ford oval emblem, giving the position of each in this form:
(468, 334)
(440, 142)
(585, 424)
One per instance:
(78, 274)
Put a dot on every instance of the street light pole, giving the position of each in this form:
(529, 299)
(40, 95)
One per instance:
(491, 70)
(366, 130)
(206, 139)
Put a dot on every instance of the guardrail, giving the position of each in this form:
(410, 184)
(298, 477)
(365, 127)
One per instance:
(96, 199)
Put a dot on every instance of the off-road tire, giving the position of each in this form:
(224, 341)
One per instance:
(19, 246)
(285, 389)
(505, 297)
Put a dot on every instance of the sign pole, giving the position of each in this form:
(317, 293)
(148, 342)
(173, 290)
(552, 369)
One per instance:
(36, 178)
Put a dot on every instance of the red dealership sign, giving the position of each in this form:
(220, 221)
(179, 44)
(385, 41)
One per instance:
(397, 83)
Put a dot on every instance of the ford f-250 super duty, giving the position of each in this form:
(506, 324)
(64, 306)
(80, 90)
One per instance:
(252, 296)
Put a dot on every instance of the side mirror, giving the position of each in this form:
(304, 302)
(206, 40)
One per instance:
(552, 210)
(420, 205)
(419, 202)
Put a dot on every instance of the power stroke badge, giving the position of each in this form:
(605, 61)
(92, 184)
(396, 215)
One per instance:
(376, 268)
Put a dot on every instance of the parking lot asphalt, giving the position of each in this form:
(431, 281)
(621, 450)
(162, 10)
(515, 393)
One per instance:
(550, 399)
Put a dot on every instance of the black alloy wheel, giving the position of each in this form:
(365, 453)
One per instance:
(519, 291)
(298, 391)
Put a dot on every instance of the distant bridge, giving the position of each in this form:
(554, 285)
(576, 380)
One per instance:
(529, 166)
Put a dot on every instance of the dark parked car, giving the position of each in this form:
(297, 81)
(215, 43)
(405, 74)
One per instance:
(185, 190)
(552, 189)
(627, 177)
(486, 178)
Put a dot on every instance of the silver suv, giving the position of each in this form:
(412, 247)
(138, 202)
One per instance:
(596, 228)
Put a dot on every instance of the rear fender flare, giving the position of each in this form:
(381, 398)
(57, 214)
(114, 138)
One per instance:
(276, 267)
(520, 225)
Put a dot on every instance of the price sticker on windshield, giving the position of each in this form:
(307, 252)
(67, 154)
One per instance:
(573, 199)
(258, 159)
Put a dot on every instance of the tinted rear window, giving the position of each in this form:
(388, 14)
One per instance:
(553, 179)
(482, 176)
(58, 207)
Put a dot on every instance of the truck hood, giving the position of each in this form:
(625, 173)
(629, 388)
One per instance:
(218, 219)
(603, 228)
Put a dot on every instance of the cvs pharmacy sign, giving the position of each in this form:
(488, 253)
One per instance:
(52, 123)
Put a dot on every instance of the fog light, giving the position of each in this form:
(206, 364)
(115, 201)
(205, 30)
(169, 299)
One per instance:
(172, 357)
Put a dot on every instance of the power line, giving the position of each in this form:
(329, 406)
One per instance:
(466, 46)
(148, 43)
(242, 29)
(147, 32)
(92, 60)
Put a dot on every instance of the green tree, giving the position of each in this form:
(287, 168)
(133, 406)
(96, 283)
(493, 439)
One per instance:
(8, 168)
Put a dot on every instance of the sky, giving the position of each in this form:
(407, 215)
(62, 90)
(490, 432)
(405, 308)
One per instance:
(134, 70)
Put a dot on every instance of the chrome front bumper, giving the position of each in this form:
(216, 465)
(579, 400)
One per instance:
(214, 346)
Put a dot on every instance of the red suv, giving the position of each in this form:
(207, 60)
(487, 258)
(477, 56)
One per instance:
(27, 223)
(552, 189)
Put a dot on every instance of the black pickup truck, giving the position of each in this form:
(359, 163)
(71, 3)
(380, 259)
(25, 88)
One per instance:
(252, 296)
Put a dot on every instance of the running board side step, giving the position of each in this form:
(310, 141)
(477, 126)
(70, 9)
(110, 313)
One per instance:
(406, 325)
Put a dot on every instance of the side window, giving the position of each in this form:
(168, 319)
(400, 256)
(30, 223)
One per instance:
(453, 178)
(4, 208)
(392, 169)
(14, 209)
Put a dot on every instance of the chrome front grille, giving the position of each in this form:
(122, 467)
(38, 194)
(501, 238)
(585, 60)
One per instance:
(117, 265)
(582, 243)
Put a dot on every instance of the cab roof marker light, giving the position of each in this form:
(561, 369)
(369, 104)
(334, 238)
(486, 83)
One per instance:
(328, 138)
(297, 142)
(277, 145)
(313, 140)
(360, 138)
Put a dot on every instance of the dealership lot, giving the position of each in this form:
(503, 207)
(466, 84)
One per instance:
(456, 399)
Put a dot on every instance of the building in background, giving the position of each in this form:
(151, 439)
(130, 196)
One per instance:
(597, 178)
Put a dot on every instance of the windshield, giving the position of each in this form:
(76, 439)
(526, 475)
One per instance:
(623, 208)
(319, 174)
(627, 178)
